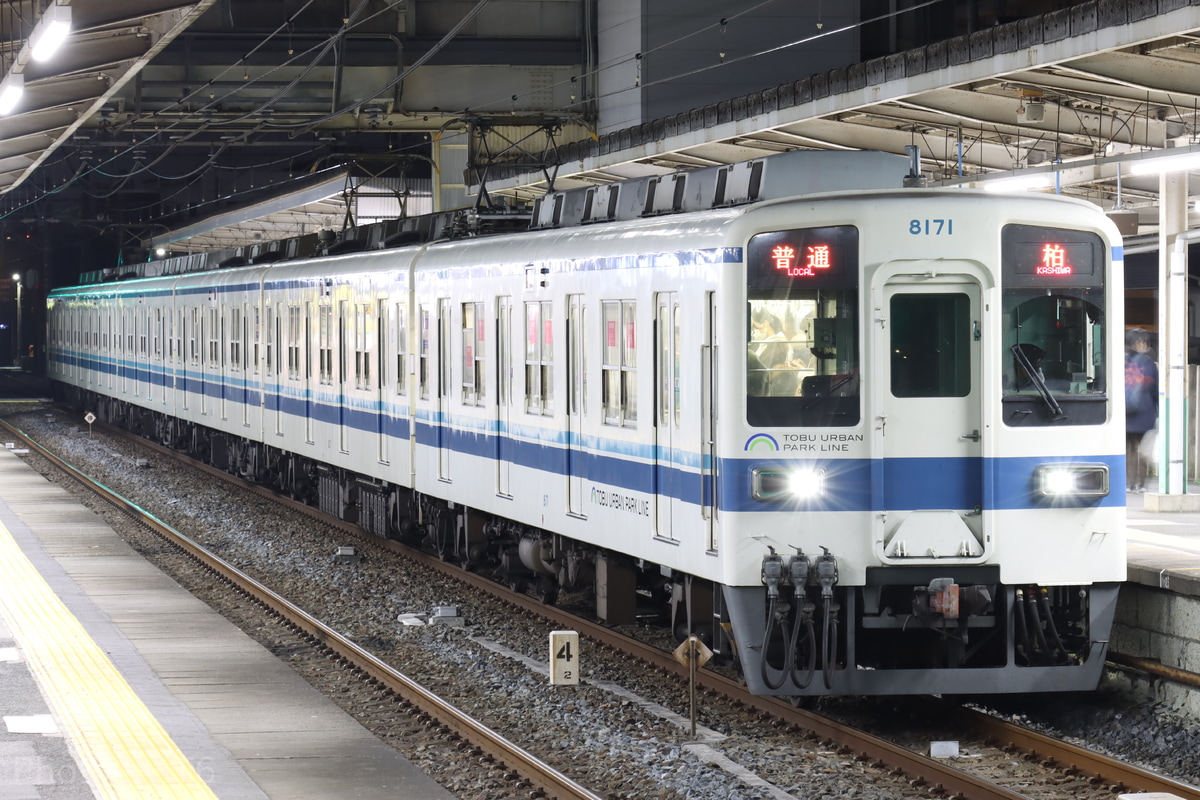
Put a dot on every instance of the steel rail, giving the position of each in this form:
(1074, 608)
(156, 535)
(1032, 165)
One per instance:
(921, 769)
(540, 775)
(1077, 760)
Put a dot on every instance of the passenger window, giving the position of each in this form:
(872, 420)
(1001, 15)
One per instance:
(423, 357)
(473, 352)
(401, 349)
(364, 338)
(325, 342)
(539, 355)
(295, 332)
(619, 379)
(930, 345)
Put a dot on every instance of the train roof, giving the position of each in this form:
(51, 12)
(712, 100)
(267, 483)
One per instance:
(790, 174)
(647, 203)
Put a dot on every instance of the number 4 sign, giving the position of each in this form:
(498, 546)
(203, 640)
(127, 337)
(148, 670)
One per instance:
(564, 658)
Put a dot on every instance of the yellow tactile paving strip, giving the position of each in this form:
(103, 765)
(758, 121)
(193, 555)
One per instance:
(122, 747)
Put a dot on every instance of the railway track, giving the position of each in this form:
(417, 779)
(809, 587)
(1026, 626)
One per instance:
(935, 776)
(543, 778)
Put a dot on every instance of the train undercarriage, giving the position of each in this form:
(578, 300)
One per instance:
(908, 630)
(527, 559)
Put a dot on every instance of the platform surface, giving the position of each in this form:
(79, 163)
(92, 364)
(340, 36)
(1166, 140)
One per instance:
(244, 722)
(1164, 547)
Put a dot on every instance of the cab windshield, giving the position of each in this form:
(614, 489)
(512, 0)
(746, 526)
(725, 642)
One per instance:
(801, 328)
(1054, 361)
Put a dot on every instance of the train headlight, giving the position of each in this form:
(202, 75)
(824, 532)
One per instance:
(1072, 480)
(792, 483)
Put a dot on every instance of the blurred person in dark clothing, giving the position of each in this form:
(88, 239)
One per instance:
(1141, 407)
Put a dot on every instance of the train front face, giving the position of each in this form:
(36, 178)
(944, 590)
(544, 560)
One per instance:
(926, 493)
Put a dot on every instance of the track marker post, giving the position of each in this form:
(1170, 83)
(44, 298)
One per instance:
(564, 658)
(693, 654)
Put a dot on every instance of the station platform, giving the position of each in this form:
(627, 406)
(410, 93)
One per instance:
(116, 684)
(1164, 546)
(1157, 625)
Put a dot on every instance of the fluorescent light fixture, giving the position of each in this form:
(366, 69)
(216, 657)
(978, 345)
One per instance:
(50, 32)
(1019, 183)
(1158, 165)
(11, 89)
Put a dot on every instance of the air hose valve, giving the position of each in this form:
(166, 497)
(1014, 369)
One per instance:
(827, 572)
(798, 567)
(772, 572)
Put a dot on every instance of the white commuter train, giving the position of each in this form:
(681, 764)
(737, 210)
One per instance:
(862, 442)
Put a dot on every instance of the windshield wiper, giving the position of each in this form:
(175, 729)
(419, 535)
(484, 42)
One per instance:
(1039, 383)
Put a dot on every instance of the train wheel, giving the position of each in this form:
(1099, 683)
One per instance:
(409, 532)
(547, 590)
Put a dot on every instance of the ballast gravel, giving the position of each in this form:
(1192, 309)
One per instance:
(602, 738)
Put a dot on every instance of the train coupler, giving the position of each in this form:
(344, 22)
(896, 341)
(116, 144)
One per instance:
(943, 597)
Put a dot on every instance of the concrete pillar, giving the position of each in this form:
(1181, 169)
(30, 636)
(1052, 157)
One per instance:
(1172, 333)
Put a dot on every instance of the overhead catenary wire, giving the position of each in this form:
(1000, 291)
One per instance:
(347, 29)
(176, 123)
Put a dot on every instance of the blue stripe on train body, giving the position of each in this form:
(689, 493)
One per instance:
(853, 484)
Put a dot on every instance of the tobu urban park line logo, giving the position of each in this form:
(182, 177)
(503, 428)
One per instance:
(761, 441)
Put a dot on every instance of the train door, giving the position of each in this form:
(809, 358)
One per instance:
(121, 363)
(576, 402)
(503, 396)
(140, 358)
(343, 347)
(928, 423)
(176, 337)
(667, 467)
(306, 355)
(442, 421)
(384, 413)
(266, 387)
(708, 422)
(275, 349)
(326, 341)
(191, 323)
(424, 356)
(226, 366)
(249, 355)
(181, 360)
(405, 392)
(206, 324)
(256, 367)
(155, 361)
(110, 345)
